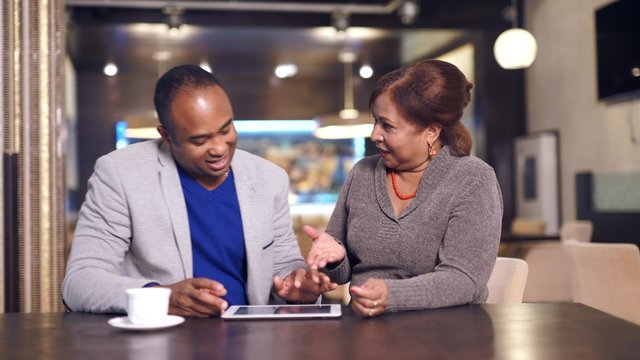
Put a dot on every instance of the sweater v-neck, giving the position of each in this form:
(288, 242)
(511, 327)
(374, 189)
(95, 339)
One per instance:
(431, 179)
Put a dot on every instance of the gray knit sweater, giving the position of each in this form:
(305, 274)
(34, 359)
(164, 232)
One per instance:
(441, 249)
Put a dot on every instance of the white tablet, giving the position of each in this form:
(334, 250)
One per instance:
(311, 311)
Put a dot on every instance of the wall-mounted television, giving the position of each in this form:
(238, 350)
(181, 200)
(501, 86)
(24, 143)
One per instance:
(618, 50)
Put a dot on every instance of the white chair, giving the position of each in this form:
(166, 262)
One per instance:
(507, 281)
(527, 226)
(549, 277)
(607, 277)
(576, 230)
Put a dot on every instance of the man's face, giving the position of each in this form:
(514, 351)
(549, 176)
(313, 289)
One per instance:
(203, 138)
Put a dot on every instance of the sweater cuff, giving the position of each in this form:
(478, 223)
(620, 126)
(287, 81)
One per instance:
(339, 273)
(405, 296)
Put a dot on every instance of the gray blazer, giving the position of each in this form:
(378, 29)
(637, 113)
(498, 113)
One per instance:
(133, 228)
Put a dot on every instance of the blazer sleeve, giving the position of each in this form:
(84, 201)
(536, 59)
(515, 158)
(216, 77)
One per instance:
(287, 255)
(101, 240)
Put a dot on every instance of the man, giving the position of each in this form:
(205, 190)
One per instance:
(188, 212)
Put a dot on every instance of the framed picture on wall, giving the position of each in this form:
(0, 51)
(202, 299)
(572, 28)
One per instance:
(537, 179)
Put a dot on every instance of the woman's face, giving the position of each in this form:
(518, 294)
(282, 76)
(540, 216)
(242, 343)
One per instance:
(402, 145)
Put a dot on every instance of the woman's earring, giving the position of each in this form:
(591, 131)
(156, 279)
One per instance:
(432, 151)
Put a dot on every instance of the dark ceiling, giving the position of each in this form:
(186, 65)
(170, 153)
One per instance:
(449, 14)
(243, 46)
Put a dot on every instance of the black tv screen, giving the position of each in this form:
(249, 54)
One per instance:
(618, 49)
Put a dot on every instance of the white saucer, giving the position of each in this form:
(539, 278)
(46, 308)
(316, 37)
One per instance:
(123, 322)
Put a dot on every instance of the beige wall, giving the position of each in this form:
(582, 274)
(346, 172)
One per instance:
(561, 89)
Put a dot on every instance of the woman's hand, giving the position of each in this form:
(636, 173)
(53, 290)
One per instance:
(324, 249)
(370, 299)
(300, 287)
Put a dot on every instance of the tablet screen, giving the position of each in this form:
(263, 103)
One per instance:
(282, 311)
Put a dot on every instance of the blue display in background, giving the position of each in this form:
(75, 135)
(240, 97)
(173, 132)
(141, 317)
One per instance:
(317, 168)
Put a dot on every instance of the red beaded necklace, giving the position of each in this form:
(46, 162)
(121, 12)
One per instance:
(401, 196)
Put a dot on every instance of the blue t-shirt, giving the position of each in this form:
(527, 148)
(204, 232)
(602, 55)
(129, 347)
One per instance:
(217, 239)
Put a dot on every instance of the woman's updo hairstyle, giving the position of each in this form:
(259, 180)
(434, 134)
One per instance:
(428, 92)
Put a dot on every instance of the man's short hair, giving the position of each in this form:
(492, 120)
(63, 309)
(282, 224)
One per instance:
(175, 80)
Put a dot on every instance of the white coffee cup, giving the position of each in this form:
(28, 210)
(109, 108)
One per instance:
(148, 306)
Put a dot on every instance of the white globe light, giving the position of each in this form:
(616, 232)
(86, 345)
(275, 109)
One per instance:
(515, 49)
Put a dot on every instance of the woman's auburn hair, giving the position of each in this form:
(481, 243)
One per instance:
(429, 92)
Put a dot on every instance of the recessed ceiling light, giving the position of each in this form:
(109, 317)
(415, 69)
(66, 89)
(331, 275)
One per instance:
(286, 70)
(408, 11)
(366, 71)
(110, 69)
(205, 66)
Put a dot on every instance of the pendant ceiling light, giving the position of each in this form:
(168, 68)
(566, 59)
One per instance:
(515, 48)
(348, 123)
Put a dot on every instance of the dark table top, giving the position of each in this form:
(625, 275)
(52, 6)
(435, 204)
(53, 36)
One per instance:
(526, 331)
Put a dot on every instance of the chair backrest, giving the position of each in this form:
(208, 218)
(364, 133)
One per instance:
(607, 277)
(507, 281)
(527, 226)
(576, 230)
(549, 278)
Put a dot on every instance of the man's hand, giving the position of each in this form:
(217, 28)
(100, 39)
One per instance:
(299, 286)
(371, 298)
(324, 249)
(198, 297)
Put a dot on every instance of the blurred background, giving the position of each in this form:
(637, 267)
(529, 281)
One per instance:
(79, 76)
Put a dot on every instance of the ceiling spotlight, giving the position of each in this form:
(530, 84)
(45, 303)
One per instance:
(174, 18)
(286, 70)
(366, 71)
(340, 21)
(205, 66)
(409, 11)
(110, 69)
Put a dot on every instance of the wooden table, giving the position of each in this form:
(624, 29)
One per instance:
(527, 331)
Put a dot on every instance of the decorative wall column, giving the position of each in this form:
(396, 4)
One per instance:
(32, 34)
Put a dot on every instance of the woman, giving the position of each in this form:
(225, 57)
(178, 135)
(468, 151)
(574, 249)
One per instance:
(417, 226)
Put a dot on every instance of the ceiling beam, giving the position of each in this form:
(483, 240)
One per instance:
(295, 7)
(437, 14)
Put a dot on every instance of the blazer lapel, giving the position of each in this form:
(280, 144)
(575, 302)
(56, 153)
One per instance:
(176, 207)
(252, 220)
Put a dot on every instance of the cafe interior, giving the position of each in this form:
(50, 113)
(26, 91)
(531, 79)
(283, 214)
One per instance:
(555, 111)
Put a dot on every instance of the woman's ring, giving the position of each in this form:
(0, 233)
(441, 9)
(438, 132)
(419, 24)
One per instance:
(370, 312)
(375, 304)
